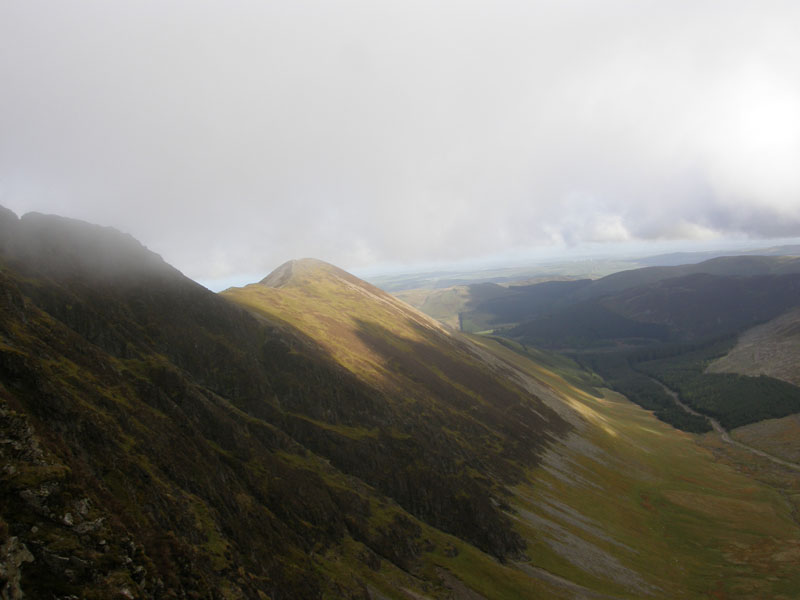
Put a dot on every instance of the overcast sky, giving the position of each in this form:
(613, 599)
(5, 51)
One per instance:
(231, 136)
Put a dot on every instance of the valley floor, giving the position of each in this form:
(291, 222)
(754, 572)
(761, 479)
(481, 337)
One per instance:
(629, 507)
(725, 436)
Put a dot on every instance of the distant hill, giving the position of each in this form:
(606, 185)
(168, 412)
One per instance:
(578, 268)
(481, 307)
(668, 323)
(487, 306)
(522, 302)
(541, 271)
(665, 308)
(727, 266)
(703, 305)
(685, 258)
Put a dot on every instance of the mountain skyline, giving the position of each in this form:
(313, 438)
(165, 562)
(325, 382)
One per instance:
(311, 436)
(230, 140)
(386, 276)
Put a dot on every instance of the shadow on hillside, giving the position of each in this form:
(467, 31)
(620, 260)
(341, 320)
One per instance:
(442, 376)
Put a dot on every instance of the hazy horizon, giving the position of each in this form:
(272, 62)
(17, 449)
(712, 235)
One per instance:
(232, 137)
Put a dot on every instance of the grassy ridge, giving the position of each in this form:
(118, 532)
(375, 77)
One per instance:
(459, 431)
(625, 506)
(640, 388)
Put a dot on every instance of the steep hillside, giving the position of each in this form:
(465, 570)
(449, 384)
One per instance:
(450, 304)
(770, 349)
(159, 441)
(152, 452)
(470, 427)
(632, 508)
(327, 441)
(622, 506)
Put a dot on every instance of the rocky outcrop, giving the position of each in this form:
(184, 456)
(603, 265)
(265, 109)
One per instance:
(13, 555)
(49, 531)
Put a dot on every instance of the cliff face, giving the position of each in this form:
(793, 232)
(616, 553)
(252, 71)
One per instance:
(159, 441)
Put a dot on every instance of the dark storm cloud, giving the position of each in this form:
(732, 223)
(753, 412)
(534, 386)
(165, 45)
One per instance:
(230, 136)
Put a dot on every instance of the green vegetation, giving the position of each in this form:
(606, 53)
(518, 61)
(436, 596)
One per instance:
(667, 324)
(734, 400)
(633, 493)
(465, 431)
(327, 441)
(617, 371)
(587, 325)
(688, 300)
(560, 364)
(240, 454)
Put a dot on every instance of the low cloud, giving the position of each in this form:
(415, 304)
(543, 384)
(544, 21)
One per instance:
(231, 137)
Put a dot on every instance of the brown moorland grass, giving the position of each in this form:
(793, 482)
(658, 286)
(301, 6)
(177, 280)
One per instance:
(624, 507)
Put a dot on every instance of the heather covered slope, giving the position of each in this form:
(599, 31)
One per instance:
(159, 437)
(621, 506)
(160, 441)
(148, 451)
(465, 426)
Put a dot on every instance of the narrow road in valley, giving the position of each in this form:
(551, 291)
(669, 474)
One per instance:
(723, 433)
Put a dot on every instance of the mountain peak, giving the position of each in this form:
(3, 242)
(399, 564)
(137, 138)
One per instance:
(8, 221)
(65, 248)
(308, 271)
(320, 283)
(296, 268)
